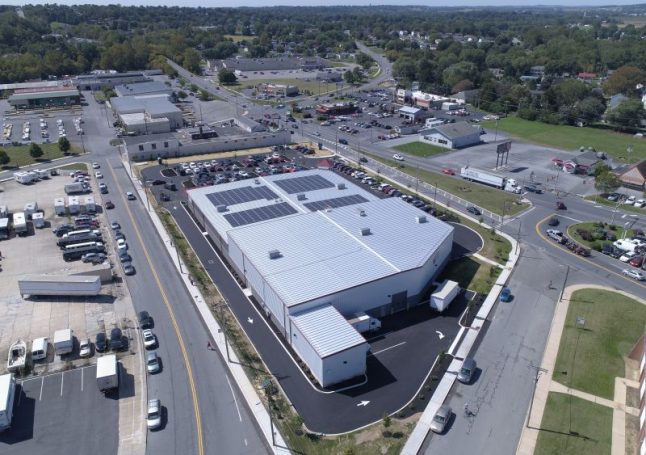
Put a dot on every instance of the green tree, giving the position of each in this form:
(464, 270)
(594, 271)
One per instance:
(227, 77)
(349, 77)
(624, 80)
(35, 151)
(204, 95)
(387, 422)
(64, 145)
(364, 60)
(191, 61)
(182, 94)
(590, 109)
(629, 113)
(607, 181)
(4, 158)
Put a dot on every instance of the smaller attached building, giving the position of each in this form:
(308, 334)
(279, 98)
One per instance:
(332, 349)
(412, 114)
(44, 97)
(452, 135)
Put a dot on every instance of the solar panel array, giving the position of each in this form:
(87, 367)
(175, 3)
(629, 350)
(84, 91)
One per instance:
(336, 202)
(259, 214)
(303, 184)
(241, 195)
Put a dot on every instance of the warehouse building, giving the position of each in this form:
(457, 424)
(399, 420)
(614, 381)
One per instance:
(99, 80)
(147, 114)
(314, 247)
(143, 89)
(452, 135)
(44, 97)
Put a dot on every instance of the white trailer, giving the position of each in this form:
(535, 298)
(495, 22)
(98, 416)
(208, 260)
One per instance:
(59, 206)
(24, 177)
(73, 205)
(63, 342)
(62, 285)
(89, 205)
(7, 394)
(41, 174)
(478, 175)
(76, 188)
(19, 223)
(30, 208)
(107, 373)
(444, 295)
(364, 323)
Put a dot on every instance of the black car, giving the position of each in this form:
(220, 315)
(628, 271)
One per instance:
(145, 321)
(343, 141)
(474, 210)
(158, 182)
(125, 257)
(607, 249)
(116, 339)
(101, 342)
(554, 221)
(363, 159)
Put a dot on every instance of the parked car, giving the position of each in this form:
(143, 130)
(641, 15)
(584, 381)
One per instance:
(128, 268)
(130, 196)
(441, 418)
(626, 257)
(152, 362)
(145, 321)
(343, 141)
(98, 175)
(398, 157)
(153, 415)
(116, 339)
(94, 258)
(634, 274)
(637, 261)
(554, 221)
(465, 375)
(505, 295)
(103, 188)
(150, 340)
(100, 342)
(85, 348)
(115, 226)
(630, 200)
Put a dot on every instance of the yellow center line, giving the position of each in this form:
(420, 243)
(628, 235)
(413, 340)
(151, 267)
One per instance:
(540, 234)
(187, 363)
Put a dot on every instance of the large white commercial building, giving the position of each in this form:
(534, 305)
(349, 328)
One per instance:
(314, 249)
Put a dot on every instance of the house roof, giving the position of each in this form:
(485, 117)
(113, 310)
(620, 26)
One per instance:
(327, 331)
(635, 175)
(455, 130)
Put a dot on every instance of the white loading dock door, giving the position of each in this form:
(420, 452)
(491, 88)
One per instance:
(330, 347)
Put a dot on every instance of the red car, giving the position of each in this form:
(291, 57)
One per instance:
(109, 205)
(637, 261)
(448, 171)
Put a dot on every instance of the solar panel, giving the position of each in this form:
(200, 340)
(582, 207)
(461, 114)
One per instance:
(336, 202)
(303, 184)
(241, 195)
(258, 214)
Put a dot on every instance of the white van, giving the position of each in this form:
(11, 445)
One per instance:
(39, 348)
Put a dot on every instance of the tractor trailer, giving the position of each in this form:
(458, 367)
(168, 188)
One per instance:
(488, 178)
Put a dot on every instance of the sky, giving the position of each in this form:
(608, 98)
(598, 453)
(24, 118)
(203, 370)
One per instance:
(234, 3)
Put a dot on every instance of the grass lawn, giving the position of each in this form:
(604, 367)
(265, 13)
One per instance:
(589, 359)
(480, 195)
(238, 38)
(565, 414)
(74, 167)
(591, 226)
(571, 137)
(471, 274)
(599, 199)
(304, 85)
(19, 154)
(421, 149)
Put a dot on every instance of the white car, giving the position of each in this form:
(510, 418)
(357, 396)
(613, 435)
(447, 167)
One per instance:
(627, 256)
(398, 157)
(85, 348)
(130, 196)
(153, 415)
(640, 203)
(630, 200)
(98, 175)
(634, 274)
(96, 165)
(150, 340)
(316, 133)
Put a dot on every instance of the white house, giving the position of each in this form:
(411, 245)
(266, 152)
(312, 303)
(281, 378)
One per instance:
(452, 135)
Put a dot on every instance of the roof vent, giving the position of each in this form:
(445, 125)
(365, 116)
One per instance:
(420, 219)
(365, 231)
(362, 212)
(301, 197)
(221, 208)
(340, 186)
(274, 254)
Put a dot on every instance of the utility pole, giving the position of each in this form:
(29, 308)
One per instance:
(537, 376)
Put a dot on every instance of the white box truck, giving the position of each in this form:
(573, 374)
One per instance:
(364, 323)
(444, 295)
(76, 188)
(7, 394)
(488, 178)
(107, 373)
(63, 342)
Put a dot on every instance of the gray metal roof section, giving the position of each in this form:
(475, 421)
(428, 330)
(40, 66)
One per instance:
(142, 88)
(157, 105)
(455, 130)
(326, 330)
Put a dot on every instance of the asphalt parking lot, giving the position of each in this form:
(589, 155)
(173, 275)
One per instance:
(62, 413)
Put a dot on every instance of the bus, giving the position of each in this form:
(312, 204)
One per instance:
(80, 236)
(73, 252)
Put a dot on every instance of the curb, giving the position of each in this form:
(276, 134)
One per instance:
(249, 393)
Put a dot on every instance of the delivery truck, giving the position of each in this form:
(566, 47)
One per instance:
(7, 394)
(107, 373)
(77, 188)
(60, 285)
(63, 342)
(478, 175)
(364, 323)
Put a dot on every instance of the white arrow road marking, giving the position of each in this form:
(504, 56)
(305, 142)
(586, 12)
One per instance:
(363, 403)
(250, 320)
(439, 334)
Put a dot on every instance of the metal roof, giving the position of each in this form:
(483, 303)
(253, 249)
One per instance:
(409, 110)
(455, 130)
(327, 331)
(339, 251)
(154, 105)
(140, 88)
(44, 94)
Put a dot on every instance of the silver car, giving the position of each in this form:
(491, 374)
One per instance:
(152, 362)
(442, 417)
(465, 374)
(153, 416)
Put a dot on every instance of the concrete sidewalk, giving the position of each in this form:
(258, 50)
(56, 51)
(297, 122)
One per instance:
(545, 384)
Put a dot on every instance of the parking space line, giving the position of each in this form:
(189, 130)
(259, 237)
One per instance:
(62, 377)
(388, 348)
(42, 382)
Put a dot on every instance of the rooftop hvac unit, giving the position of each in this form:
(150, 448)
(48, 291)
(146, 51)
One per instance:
(221, 208)
(274, 254)
(361, 212)
(256, 181)
(420, 219)
(301, 197)
(365, 231)
(340, 186)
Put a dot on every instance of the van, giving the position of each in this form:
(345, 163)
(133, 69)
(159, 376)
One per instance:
(39, 348)
(467, 371)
